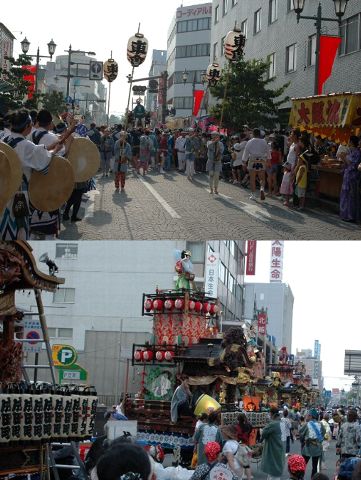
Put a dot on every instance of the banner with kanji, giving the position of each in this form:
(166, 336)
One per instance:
(276, 266)
(29, 76)
(262, 323)
(333, 116)
(251, 257)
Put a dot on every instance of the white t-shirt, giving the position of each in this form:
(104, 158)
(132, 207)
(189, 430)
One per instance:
(256, 148)
(239, 155)
(231, 446)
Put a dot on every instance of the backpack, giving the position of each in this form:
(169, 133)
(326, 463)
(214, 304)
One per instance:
(37, 136)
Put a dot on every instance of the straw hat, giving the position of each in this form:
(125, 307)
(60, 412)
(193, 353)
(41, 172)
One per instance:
(10, 174)
(49, 192)
(84, 157)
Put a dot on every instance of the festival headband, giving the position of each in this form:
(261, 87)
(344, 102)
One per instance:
(212, 450)
(296, 463)
(22, 126)
(130, 476)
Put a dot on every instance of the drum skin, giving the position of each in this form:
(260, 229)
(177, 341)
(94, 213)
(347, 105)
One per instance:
(84, 157)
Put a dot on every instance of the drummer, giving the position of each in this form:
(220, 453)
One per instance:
(14, 222)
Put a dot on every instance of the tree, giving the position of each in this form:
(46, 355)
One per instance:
(14, 96)
(248, 99)
(54, 102)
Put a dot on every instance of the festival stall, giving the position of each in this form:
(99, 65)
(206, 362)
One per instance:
(335, 117)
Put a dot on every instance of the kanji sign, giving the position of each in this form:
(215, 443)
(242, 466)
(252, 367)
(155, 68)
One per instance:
(74, 372)
(262, 323)
(211, 277)
(251, 257)
(276, 265)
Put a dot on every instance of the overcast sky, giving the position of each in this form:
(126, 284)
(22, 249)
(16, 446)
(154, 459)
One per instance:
(98, 27)
(324, 278)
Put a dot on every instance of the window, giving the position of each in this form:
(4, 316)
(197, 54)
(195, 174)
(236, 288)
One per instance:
(272, 65)
(273, 7)
(184, 103)
(52, 332)
(64, 295)
(244, 27)
(194, 25)
(311, 55)
(68, 251)
(199, 50)
(290, 5)
(257, 21)
(291, 58)
(65, 332)
(222, 44)
(225, 7)
(215, 49)
(350, 35)
(216, 14)
(231, 282)
(198, 251)
(222, 272)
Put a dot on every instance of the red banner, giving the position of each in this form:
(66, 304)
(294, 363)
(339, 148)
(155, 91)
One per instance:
(262, 323)
(30, 78)
(327, 55)
(251, 257)
(197, 101)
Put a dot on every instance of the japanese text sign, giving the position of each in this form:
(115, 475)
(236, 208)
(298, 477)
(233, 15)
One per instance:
(276, 265)
(211, 280)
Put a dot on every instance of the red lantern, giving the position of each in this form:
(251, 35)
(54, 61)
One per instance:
(168, 355)
(179, 303)
(192, 305)
(214, 309)
(158, 305)
(169, 304)
(198, 307)
(159, 356)
(138, 355)
(206, 307)
(148, 305)
(148, 356)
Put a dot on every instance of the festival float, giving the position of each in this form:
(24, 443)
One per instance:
(33, 414)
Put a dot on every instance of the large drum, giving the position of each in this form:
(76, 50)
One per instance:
(84, 157)
(10, 174)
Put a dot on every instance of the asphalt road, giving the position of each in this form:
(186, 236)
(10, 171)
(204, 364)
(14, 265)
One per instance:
(171, 207)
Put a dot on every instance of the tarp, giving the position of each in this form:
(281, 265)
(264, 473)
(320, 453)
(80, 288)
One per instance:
(333, 116)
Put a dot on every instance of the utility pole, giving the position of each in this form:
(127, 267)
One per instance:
(164, 95)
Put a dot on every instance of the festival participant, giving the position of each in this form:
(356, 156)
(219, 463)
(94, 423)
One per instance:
(180, 148)
(14, 221)
(301, 180)
(286, 188)
(236, 454)
(286, 427)
(273, 455)
(106, 150)
(349, 437)
(122, 155)
(184, 268)
(215, 149)
(212, 464)
(207, 433)
(244, 429)
(296, 467)
(350, 198)
(272, 169)
(256, 153)
(312, 434)
(239, 169)
(180, 403)
(145, 148)
(124, 461)
(163, 151)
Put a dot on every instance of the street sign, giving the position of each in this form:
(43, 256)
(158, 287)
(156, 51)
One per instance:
(63, 355)
(74, 372)
(32, 331)
(68, 100)
(95, 70)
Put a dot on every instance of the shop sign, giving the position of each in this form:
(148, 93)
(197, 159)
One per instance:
(262, 323)
(251, 257)
(211, 280)
(276, 265)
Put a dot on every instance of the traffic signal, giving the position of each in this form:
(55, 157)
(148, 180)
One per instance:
(139, 89)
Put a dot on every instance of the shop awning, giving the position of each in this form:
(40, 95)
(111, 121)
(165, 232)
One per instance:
(333, 116)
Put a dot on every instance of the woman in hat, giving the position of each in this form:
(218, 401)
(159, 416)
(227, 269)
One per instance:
(215, 150)
(14, 220)
(312, 435)
(122, 155)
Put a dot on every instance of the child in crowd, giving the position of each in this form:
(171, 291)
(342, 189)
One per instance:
(286, 186)
(301, 180)
(272, 168)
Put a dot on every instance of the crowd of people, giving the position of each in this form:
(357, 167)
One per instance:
(275, 163)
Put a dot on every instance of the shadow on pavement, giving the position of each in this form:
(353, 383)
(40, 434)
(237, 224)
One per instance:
(101, 217)
(121, 198)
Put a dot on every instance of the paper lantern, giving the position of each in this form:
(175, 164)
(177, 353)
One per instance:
(198, 307)
(168, 355)
(213, 74)
(148, 355)
(192, 305)
(159, 356)
(206, 404)
(213, 309)
(137, 49)
(110, 70)
(179, 303)
(158, 305)
(148, 305)
(206, 307)
(234, 44)
(169, 304)
(138, 355)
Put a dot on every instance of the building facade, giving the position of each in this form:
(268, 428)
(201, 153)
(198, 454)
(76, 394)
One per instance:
(158, 66)
(98, 309)
(313, 365)
(188, 49)
(273, 34)
(277, 299)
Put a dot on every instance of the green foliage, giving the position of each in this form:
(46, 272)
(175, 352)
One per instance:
(14, 95)
(54, 102)
(249, 100)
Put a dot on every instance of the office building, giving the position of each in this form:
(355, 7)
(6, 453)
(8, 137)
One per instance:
(158, 66)
(313, 365)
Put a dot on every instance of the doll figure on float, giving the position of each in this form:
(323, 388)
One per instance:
(184, 268)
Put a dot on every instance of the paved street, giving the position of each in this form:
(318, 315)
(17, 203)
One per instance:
(171, 207)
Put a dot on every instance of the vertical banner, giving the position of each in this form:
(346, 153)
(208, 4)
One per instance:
(211, 277)
(262, 323)
(251, 257)
(327, 55)
(197, 101)
(29, 76)
(276, 266)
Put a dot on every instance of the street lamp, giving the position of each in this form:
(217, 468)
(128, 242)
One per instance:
(68, 76)
(25, 44)
(185, 76)
(340, 9)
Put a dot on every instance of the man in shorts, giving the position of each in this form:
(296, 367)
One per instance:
(257, 153)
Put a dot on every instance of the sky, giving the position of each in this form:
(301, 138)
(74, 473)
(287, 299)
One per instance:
(96, 27)
(324, 279)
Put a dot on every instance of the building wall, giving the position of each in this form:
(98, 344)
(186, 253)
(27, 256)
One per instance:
(158, 66)
(192, 64)
(278, 299)
(277, 36)
(6, 46)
